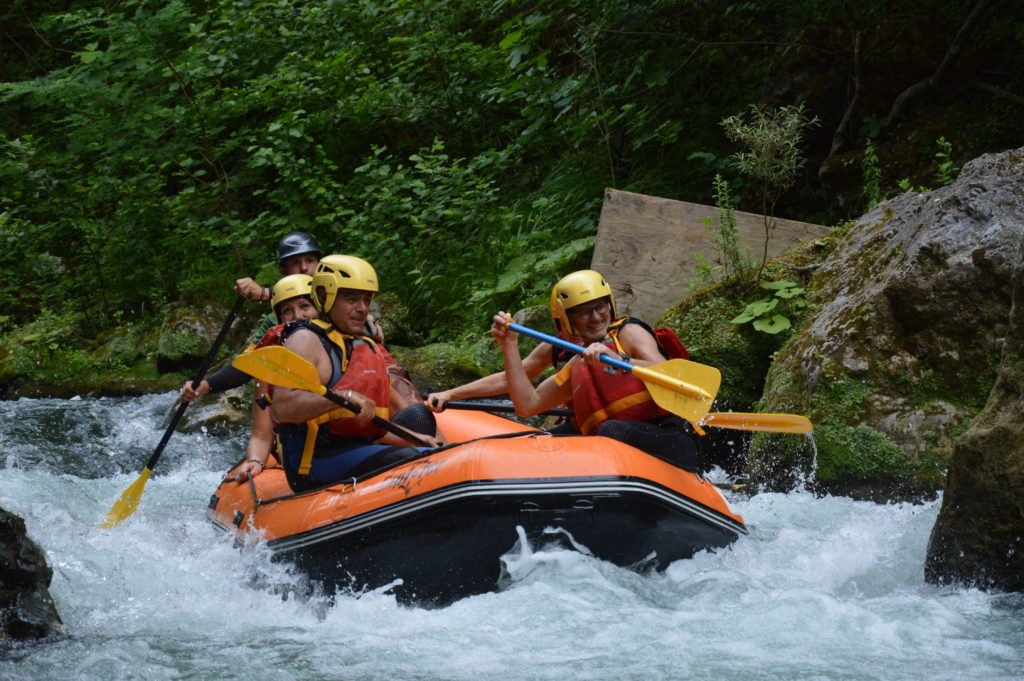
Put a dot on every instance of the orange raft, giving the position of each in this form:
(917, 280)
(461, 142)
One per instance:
(439, 524)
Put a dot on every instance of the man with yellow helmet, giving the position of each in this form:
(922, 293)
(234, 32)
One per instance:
(607, 401)
(321, 443)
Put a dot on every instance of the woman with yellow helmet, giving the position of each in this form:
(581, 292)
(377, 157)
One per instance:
(291, 300)
(606, 401)
(320, 443)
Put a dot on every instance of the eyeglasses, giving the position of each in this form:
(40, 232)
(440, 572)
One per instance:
(583, 312)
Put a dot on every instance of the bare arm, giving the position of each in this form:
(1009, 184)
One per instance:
(298, 406)
(251, 290)
(261, 438)
(496, 384)
(635, 341)
(527, 399)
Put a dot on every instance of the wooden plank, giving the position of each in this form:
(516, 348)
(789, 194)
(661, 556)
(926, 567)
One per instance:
(646, 247)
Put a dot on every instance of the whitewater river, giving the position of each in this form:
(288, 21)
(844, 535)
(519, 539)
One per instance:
(823, 588)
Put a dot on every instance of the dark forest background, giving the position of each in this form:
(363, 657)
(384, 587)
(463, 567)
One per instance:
(153, 152)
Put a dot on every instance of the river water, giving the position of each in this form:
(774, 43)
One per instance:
(823, 588)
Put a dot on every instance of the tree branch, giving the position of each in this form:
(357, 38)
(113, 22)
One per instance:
(904, 99)
(844, 124)
(997, 91)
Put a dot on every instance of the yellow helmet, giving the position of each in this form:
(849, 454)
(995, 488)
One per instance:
(335, 272)
(575, 289)
(292, 286)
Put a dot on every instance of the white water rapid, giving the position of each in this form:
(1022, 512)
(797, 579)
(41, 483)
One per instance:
(823, 588)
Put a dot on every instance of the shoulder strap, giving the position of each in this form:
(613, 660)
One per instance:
(337, 352)
(668, 342)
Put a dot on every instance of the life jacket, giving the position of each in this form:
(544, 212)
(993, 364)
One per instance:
(668, 342)
(605, 392)
(357, 364)
(271, 337)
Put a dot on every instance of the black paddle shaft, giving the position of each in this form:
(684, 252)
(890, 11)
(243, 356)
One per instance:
(504, 408)
(377, 421)
(203, 368)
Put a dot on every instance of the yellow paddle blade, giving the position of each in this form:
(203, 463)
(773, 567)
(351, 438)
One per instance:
(682, 387)
(128, 501)
(772, 423)
(280, 366)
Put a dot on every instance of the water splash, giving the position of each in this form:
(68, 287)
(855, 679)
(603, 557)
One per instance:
(822, 588)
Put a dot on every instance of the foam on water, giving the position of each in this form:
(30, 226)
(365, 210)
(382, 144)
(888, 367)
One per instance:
(823, 588)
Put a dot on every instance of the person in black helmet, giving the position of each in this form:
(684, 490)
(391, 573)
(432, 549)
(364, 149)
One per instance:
(297, 253)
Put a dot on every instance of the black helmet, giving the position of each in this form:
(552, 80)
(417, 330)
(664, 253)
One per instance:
(296, 243)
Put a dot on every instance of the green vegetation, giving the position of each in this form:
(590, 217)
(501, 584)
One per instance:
(759, 311)
(732, 262)
(774, 158)
(152, 152)
(945, 172)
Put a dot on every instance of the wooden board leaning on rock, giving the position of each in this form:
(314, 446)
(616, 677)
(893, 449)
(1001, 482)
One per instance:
(646, 247)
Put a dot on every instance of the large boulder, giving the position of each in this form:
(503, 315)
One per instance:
(978, 538)
(26, 609)
(902, 350)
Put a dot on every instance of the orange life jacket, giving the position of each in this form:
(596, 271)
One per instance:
(271, 337)
(603, 392)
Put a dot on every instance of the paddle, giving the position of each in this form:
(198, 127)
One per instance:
(772, 423)
(277, 365)
(504, 408)
(129, 499)
(680, 386)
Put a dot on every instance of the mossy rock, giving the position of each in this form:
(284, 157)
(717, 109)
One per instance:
(187, 334)
(439, 366)
(910, 322)
(743, 354)
(397, 321)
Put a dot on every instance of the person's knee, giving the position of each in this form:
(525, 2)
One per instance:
(417, 418)
(614, 429)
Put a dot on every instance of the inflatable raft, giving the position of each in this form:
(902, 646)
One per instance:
(440, 524)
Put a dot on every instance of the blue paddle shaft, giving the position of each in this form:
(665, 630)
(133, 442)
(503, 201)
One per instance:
(566, 345)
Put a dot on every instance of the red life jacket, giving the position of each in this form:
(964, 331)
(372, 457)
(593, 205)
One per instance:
(604, 392)
(271, 337)
(669, 342)
(357, 364)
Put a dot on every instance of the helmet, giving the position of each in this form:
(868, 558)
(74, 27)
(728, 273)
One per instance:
(296, 243)
(292, 286)
(575, 289)
(335, 272)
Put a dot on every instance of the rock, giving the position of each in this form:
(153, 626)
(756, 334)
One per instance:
(187, 334)
(26, 610)
(219, 414)
(912, 309)
(440, 366)
(978, 538)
